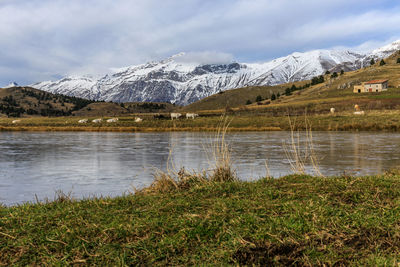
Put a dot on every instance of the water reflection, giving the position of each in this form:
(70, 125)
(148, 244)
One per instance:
(90, 164)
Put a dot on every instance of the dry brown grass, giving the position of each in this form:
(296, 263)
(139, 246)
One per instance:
(221, 169)
(299, 152)
(220, 151)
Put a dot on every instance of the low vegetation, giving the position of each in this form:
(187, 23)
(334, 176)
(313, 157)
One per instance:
(297, 219)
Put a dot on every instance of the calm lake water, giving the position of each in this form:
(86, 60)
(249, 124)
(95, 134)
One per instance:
(94, 164)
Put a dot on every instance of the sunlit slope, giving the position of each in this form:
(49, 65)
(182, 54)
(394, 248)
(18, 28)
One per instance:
(332, 90)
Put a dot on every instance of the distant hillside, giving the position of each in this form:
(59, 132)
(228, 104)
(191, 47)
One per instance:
(27, 101)
(317, 94)
(24, 101)
(256, 95)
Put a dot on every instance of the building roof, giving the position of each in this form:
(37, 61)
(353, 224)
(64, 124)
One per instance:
(376, 81)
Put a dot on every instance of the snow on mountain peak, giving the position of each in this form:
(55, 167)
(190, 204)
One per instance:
(11, 84)
(187, 77)
(387, 50)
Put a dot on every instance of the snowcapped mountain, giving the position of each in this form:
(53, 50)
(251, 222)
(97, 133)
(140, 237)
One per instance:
(386, 50)
(11, 84)
(177, 81)
(72, 86)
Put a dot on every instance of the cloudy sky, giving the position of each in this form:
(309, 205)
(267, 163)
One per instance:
(48, 39)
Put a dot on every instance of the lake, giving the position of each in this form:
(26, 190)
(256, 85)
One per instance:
(37, 164)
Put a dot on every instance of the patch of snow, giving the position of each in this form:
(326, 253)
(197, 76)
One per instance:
(11, 84)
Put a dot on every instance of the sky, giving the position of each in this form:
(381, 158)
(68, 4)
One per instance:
(48, 39)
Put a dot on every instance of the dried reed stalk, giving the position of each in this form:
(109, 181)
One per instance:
(298, 153)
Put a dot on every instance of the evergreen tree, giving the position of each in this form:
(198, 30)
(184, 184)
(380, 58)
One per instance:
(259, 98)
(278, 95)
(372, 62)
(273, 97)
(382, 63)
(248, 102)
(341, 72)
(327, 72)
(287, 91)
(398, 60)
(334, 75)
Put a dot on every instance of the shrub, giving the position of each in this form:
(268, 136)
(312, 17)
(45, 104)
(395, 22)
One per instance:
(248, 102)
(317, 80)
(398, 60)
(259, 98)
(382, 63)
(372, 62)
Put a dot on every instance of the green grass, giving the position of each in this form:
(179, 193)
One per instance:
(292, 220)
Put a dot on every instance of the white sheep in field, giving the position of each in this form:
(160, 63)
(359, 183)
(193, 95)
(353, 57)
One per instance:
(191, 115)
(112, 120)
(137, 119)
(97, 120)
(15, 121)
(359, 112)
(83, 121)
(332, 110)
(175, 115)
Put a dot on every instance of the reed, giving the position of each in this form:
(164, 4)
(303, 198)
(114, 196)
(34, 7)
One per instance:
(221, 170)
(301, 153)
(220, 151)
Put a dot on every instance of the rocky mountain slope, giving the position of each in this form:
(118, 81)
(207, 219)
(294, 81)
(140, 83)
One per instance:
(177, 81)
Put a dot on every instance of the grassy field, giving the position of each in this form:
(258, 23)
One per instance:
(298, 219)
(373, 120)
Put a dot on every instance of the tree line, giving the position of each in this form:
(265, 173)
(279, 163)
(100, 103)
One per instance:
(12, 108)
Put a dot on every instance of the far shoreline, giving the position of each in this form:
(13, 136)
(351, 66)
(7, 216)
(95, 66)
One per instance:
(374, 120)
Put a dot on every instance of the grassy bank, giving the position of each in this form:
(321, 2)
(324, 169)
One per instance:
(244, 121)
(292, 220)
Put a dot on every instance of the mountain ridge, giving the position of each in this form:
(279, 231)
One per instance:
(176, 81)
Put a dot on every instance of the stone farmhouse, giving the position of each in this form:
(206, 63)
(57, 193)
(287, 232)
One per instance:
(371, 86)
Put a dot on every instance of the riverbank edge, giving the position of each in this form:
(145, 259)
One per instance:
(343, 128)
(133, 129)
(296, 219)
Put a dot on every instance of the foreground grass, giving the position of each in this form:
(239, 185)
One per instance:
(292, 220)
(374, 120)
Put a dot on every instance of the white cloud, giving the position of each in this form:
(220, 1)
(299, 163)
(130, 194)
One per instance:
(206, 57)
(48, 38)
